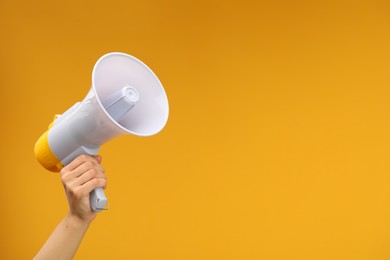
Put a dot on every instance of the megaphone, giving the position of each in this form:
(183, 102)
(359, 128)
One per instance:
(126, 97)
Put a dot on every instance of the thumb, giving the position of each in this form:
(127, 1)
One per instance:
(98, 158)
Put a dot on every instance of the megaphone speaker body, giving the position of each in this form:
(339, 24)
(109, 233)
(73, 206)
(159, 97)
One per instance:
(126, 97)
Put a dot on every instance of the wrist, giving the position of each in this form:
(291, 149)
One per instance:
(77, 222)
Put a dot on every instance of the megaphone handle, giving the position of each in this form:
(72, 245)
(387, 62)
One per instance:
(97, 198)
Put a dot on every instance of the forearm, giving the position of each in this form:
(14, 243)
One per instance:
(65, 239)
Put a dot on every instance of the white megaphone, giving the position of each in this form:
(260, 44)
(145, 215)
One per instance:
(125, 97)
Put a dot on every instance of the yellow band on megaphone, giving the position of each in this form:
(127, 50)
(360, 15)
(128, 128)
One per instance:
(45, 156)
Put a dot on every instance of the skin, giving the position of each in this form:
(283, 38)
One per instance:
(79, 178)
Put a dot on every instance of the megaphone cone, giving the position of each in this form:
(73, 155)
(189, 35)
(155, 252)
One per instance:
(126, 97)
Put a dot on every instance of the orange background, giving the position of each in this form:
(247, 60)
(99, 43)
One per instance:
(277, 145)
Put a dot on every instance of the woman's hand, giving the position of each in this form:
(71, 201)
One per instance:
(79, 178)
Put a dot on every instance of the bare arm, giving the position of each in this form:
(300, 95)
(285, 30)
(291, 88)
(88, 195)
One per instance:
(79, 178)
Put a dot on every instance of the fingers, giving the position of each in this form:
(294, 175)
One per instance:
(84, 167)
(80, 160)
(80, 165)
(82, 170)
(88, 175)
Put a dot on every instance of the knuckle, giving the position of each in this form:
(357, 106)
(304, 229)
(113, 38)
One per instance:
(83, 157)
(93, 173)
(96, 173)
(98, 183)
(89, 164)
(64, 178)
(64, 171)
